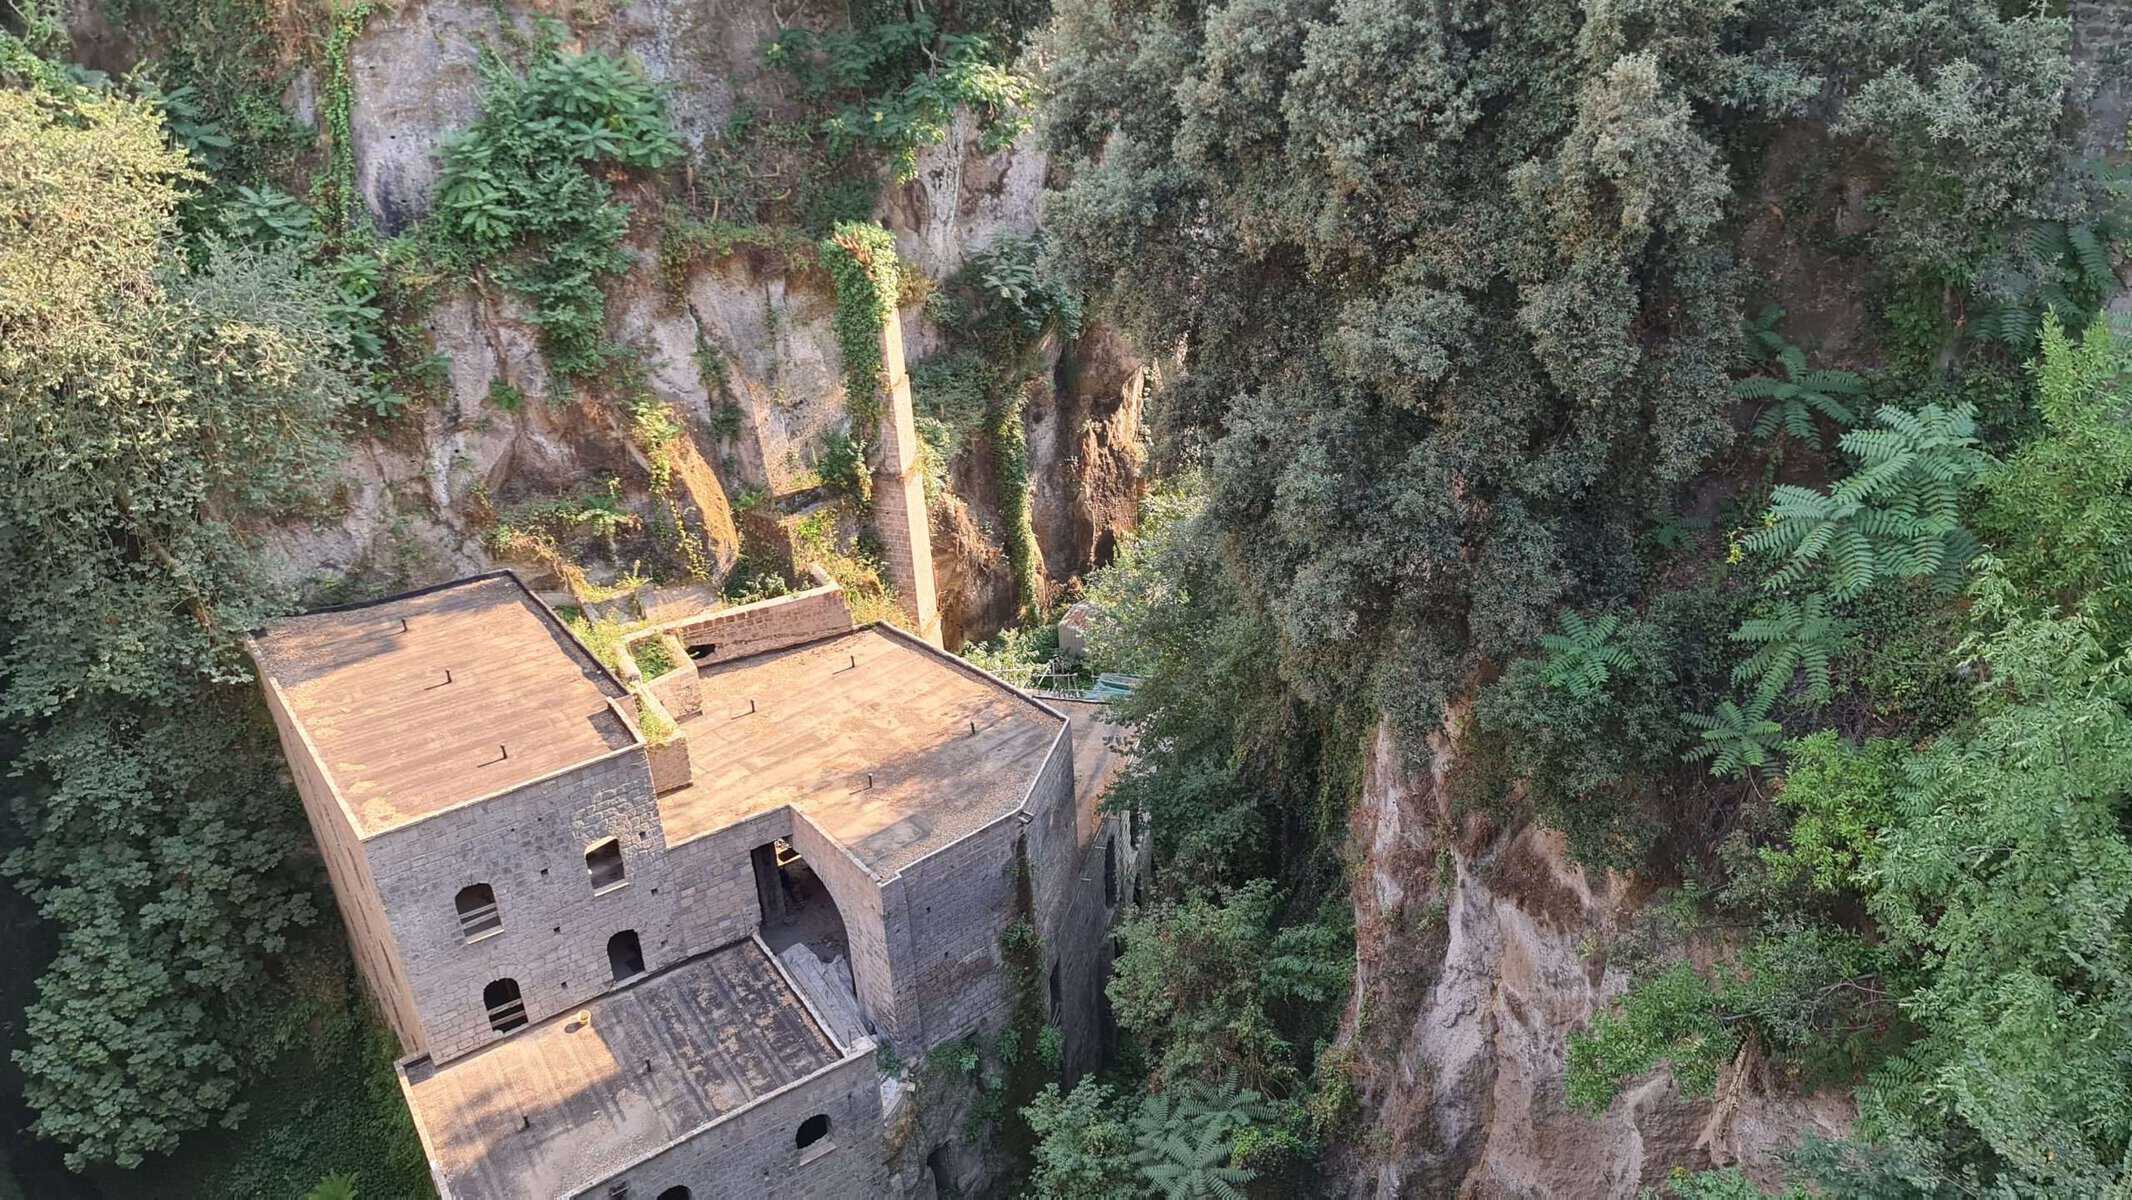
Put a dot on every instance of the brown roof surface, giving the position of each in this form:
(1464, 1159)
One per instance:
(397, 740)
(828, 713)
(565, 1103)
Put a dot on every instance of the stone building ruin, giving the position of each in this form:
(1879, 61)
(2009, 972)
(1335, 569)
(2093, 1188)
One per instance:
(654, 938)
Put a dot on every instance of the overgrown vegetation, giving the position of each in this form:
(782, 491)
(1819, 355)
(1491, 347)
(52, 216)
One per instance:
(154, 411)
(524, 194)
(1458, 301)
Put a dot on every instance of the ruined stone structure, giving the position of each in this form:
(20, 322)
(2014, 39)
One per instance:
(650, 937)
(899, 492)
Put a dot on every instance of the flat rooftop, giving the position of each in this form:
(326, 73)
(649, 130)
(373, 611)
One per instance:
(949, 749)
(565, 1103)
(368, 685)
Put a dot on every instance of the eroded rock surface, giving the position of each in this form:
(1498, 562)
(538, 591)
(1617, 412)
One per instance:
(742, 347)
(1479, 951)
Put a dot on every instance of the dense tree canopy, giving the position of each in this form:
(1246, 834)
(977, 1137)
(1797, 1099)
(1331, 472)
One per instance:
(1454, 285)
(151, 412)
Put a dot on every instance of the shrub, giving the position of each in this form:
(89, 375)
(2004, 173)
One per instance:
(519, 188)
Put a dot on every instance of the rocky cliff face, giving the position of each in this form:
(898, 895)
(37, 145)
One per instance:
(1480, 949)
(739, 345)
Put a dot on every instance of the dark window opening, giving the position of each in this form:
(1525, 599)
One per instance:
(604, 863)
(507, 1010)
(699, 653)
(812, 1130)
(478, 913)
(943, 1183)
(1139, 893)
(625, 955)
(676, 1192)
(1110, 870)
(1054, 989)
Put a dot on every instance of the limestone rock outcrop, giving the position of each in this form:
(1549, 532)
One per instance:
(1480, 949)
(741, 347)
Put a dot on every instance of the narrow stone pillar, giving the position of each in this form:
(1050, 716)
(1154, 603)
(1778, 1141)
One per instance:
(899, 492)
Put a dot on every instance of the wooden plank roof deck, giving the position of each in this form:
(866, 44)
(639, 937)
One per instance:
(565, 1103)
(401, 743)
(949, 749)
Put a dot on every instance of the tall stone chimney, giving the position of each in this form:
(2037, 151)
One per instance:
(899, 492)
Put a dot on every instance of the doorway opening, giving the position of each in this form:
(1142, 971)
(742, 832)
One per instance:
(802, 927)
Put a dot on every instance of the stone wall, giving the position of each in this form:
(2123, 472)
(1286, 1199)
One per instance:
(946, 915)
(1081, 942)
(764, 625)
(529, 846)
(861, 901)
(714, 881)
(348, 868)
(899, 493)
(751, 1153)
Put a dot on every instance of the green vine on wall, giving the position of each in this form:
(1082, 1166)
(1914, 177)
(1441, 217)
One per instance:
(861, 260)
(337, 197)
(1010, 447)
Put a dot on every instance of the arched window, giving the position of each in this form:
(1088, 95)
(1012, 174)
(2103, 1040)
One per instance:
(603, 861)
(478, 914)
(507, 1010)
(1110, 869)
(625, 955)
(812, 1130)
(676, 1192)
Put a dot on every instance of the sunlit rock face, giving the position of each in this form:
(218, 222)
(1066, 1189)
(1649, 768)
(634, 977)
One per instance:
(742, 348)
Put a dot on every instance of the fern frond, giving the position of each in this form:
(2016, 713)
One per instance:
(2094, 259)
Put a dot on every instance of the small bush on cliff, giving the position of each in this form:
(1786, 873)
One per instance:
(520, 192)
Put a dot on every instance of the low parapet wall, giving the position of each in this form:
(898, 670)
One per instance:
(765, 625)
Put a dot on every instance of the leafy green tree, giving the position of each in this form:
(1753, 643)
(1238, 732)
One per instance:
(519, 189)
(1842, 801)
(2059, 511)
(899, 84)
(152, 415)
(1791, 637)
(1201, 981)
(1896, 515)
(1792, 402)
(1450, 288)
(1084, 1144)
(1579, 659)
(1180, 1144)
(1809, 993)
(1595, 762)
(2009, 878)
(1737, 740)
